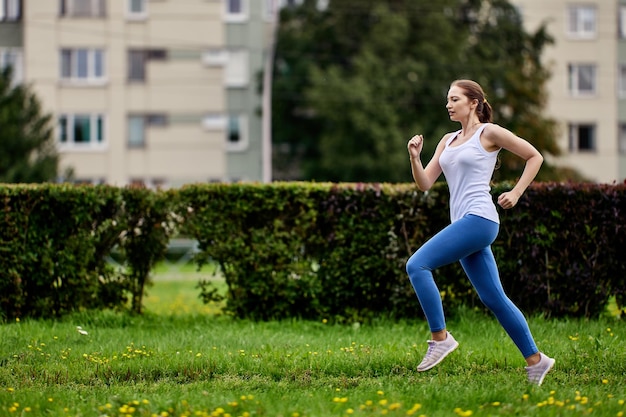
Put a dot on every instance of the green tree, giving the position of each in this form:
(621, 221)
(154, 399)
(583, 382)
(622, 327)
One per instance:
(27, 149)
(353, 83)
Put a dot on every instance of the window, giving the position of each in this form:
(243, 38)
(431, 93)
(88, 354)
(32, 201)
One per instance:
(581, 21)
(236, 71)
(237, 133)
(582, 79)
(82, 8)
(136, 132)
(137, 9)
(150, 183)
(236, 10)
(582, 137)
(10, 10)
(138, 59)
(12, 57)
(83, 65)
(621, 144)
(137, 125)
(81, 131)
(87, 181)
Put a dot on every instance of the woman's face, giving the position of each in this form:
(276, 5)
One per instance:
(458, 104)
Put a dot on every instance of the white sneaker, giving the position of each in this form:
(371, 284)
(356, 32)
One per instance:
(538, 372)
(437, 351)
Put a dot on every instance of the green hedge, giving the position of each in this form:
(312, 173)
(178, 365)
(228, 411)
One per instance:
(334, 251)
(339, 251)
(55, 240)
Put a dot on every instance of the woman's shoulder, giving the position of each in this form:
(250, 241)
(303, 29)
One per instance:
(493, 128)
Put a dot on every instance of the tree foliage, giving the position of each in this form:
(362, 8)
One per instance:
(27, 149)
(354, 82)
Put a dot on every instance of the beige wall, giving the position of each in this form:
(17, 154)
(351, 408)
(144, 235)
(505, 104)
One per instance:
(181, 87)
(602, 108)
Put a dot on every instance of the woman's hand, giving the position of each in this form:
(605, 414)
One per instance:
(508, 200)
(415, 146)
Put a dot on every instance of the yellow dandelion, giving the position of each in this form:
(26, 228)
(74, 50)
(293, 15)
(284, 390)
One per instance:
(495, 403)
(605, 381)
(416, 407)
(380, 392)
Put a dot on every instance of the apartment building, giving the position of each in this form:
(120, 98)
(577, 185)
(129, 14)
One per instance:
(148, 92)
(587, 91)
(11, 41)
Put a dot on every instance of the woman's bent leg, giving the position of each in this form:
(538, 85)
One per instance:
(456, 241)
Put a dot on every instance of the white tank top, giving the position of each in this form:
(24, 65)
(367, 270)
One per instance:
(468, 169)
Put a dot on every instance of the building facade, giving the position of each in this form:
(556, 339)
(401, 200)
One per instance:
(148, 92)
(151, 92)
(587, 90)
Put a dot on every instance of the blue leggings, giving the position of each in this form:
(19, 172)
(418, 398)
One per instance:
(467, 240)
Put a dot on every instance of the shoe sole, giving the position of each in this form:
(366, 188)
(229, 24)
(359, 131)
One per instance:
(439, 360)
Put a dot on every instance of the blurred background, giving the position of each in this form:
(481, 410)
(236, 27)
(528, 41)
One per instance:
(162, 93)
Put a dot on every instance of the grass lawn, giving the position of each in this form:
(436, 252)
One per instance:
(181, 359)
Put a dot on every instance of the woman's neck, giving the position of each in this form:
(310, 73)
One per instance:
(469, 125)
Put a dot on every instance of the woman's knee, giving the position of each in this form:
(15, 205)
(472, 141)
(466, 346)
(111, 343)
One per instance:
(415, 265)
